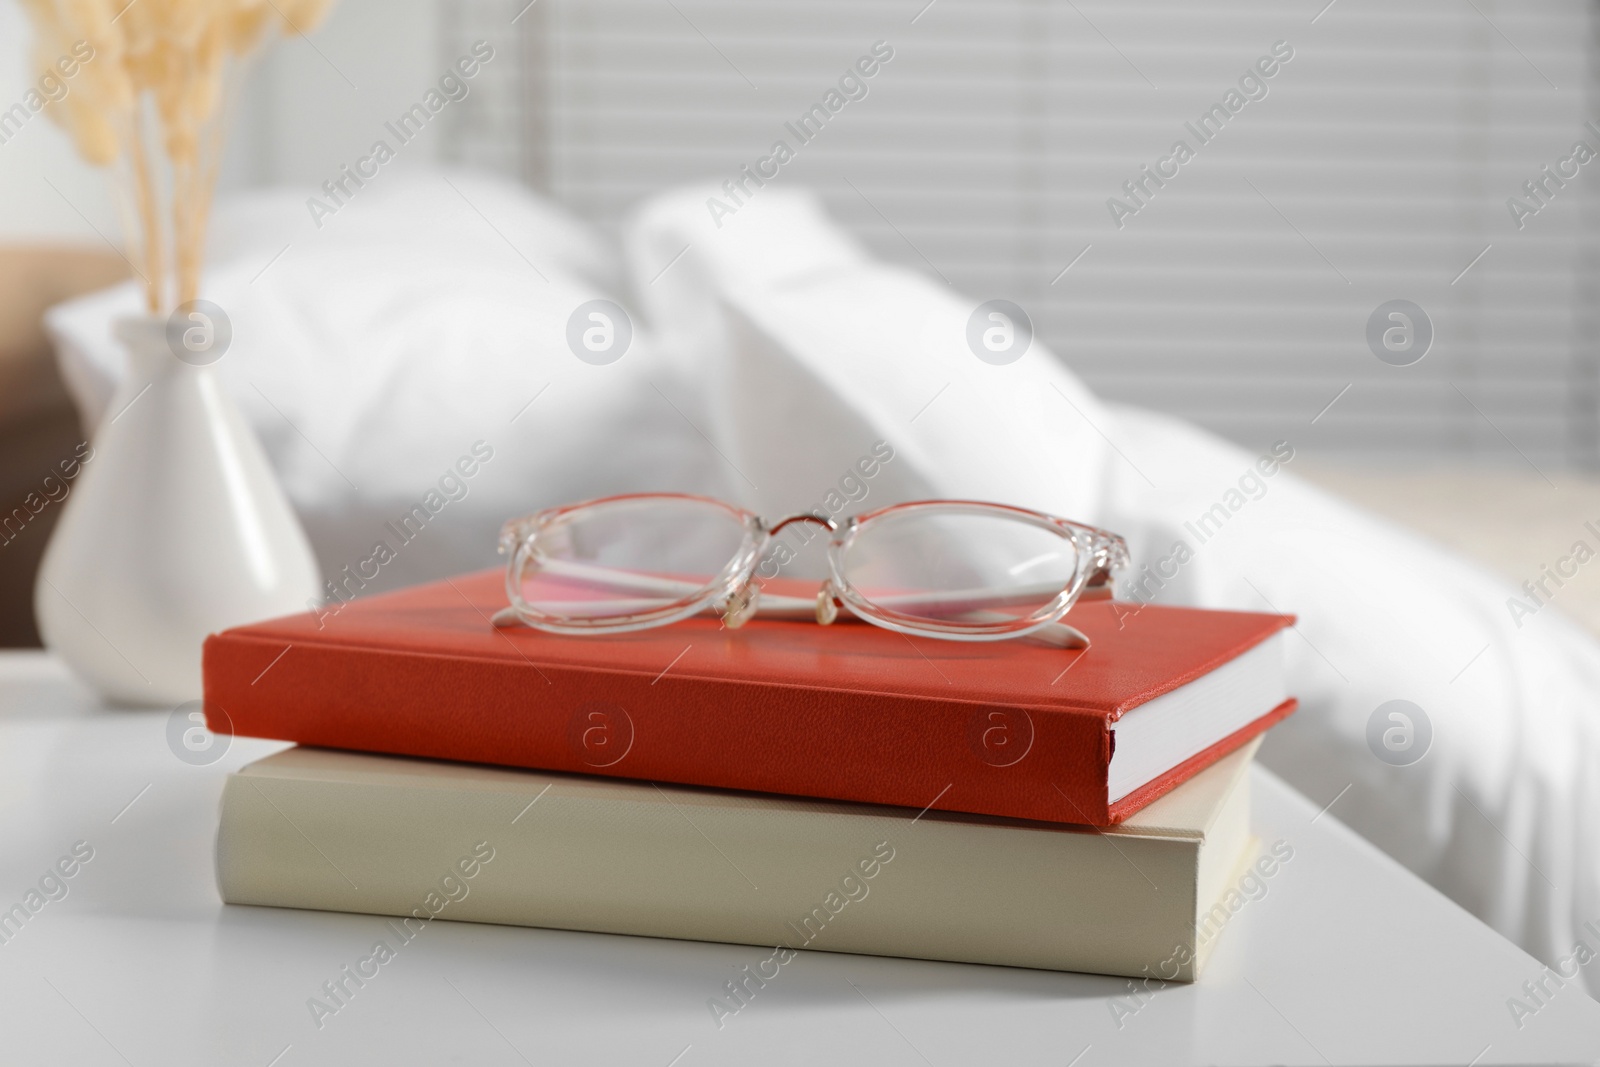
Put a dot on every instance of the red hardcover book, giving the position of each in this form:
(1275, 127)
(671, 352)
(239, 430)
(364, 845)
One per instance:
(1016, 728)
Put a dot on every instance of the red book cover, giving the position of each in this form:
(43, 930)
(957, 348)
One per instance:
(1015, 728)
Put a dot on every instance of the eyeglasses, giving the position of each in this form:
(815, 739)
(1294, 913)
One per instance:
(952, 569)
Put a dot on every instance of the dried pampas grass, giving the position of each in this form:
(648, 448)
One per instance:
(152, 92)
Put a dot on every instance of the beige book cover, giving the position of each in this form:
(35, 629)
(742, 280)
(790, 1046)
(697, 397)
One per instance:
(423, 840)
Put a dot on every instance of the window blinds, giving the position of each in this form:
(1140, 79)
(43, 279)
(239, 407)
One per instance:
(1027, 150)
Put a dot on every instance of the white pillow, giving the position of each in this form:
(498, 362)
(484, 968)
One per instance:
(812, 351)
(376, 352)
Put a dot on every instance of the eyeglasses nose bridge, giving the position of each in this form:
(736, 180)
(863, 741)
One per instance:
(804, 516)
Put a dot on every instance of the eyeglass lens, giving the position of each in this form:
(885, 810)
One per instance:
(627, 557)
(954, 567)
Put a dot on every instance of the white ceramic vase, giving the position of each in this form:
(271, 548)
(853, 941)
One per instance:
(174, 529)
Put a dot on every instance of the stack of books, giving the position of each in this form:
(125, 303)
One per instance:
(783, 785)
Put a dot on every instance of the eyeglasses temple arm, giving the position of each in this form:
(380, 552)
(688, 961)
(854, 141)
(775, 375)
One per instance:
(782, 607)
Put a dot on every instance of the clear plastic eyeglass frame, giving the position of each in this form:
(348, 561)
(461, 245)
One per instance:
(649, 600)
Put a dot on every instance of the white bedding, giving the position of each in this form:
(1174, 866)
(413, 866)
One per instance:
(388, 348)
(1503, 813)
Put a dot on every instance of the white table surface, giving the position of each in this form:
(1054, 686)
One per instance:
(1348, 958)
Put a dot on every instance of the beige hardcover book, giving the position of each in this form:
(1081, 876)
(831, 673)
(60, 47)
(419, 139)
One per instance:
(421, 839)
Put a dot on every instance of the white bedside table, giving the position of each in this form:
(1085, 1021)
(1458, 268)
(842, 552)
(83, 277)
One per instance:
(1346, 958)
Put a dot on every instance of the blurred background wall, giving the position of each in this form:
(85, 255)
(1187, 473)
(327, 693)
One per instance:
(1377, 166)
(305, 107)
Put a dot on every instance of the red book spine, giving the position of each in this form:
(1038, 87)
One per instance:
(1021, 761)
